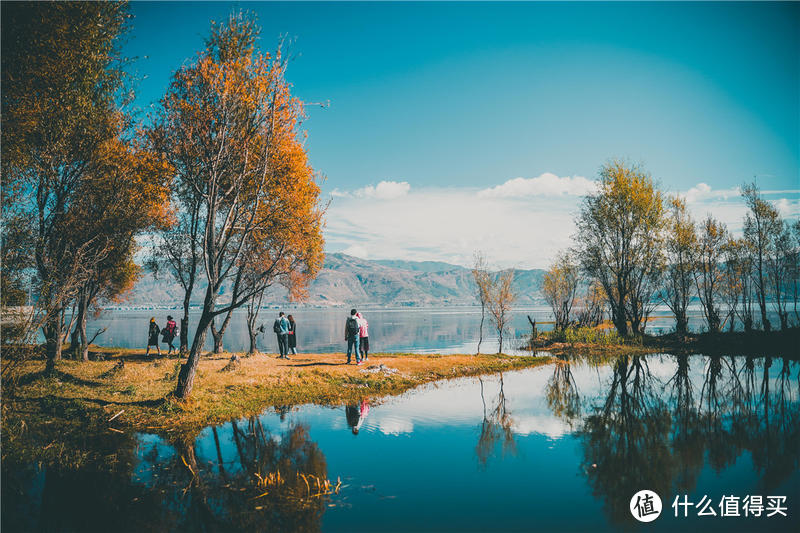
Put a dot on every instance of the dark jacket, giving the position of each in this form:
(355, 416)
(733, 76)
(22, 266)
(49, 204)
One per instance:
(292, 334)
(153, 334)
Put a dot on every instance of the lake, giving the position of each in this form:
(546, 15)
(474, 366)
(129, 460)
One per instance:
(404, 330)
(562, 447)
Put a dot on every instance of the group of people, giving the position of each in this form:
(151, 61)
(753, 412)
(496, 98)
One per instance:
(286, 330)
(356, 335)
(168, 334)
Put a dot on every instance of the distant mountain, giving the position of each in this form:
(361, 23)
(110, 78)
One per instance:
(347, 280)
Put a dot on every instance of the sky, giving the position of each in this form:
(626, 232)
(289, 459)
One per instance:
(455, 127)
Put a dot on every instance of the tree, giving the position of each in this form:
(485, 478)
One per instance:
(591, 306)
(124, 196)
(734, 287)
(177, 248)
(779, 269)
(500, 297)
(620, 242)
(61, 78)
(680, 246)
(480, 273)
(760, 225)
(233, 127)
(795, 270)
(560, 287)
(708, 275)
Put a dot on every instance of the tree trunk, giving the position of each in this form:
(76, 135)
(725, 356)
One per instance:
(189, 368)
(53, 335)
(185, 326)
(82, 330)
(480, 328)
(217, 335)
(253, 348)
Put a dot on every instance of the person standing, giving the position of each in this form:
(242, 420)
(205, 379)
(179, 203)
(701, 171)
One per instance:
(169, 332)
(292, 335)
(363, 336)
(351, 336)
(152, 337)
(281, 329)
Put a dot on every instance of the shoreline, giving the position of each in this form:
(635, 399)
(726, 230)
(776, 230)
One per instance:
(90, 393)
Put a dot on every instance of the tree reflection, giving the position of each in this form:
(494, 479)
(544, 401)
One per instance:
(561, 392)
(729, 405)
(626, 440)
(275, 483)
(496, 427)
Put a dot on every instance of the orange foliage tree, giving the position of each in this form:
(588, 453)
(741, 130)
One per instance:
(124, 196)
(230, 127)
(68, 160)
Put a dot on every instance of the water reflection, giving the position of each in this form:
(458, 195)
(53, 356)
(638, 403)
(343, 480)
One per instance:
(675, 424)
(496, 427)
(275, 482)
(647, 432)
(356, 415)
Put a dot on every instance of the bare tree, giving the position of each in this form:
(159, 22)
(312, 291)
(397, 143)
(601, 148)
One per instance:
(779, 269)
(483, 281)
(501, 296)
(760, 225)
(560, 287)
(591, 306)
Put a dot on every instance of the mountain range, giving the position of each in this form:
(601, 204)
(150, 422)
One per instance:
(347, 280)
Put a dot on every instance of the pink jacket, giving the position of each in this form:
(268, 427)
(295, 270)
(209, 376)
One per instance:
(363, 326)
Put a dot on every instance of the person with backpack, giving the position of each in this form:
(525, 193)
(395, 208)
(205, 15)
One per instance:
(281, 329)
(363, 336)
(168, 333)
(152, 337)
(351, 328)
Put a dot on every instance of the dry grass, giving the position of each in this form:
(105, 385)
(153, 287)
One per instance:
(143, 387)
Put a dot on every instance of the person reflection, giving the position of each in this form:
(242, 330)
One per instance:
(356, 414)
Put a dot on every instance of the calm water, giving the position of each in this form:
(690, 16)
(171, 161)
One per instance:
(440, 330)
(556, 448)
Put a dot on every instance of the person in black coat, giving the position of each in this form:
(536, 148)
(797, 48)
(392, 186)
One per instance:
(292, 335)
(152, 337)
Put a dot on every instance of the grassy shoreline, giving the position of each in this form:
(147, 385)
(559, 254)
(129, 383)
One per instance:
(759, 343)
(124, 380)
(139, 390)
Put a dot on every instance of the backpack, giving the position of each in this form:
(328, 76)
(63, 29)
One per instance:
(352, 327)
(276, 327)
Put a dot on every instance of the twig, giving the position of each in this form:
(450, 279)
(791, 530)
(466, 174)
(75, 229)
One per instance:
(116, 415)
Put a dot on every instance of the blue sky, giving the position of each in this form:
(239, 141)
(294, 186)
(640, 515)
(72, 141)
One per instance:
(447, 103)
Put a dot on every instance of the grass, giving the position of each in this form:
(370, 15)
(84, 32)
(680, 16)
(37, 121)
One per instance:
(124, 380)
(605, 342)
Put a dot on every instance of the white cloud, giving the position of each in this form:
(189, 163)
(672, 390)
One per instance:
(523, 229)
(703, 191)
(450, 224)
(385, 190)
(546, 184)
(727, 205)
(356, 250)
